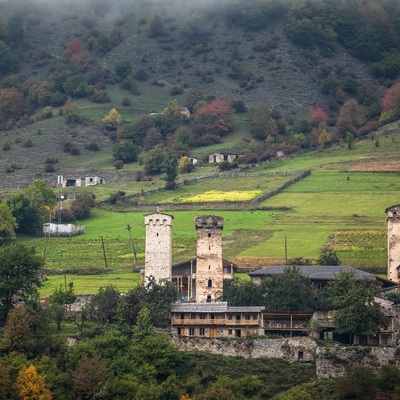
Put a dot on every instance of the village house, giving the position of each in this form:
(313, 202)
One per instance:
(87, 181)
(222, 157)
(215, 320)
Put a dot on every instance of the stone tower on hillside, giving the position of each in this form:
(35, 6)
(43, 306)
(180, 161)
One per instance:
(393, 244)
(158, 256)
(209, 274)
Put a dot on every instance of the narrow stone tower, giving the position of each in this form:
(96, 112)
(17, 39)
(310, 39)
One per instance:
(393, 244)
(158, 257)
(209, 270)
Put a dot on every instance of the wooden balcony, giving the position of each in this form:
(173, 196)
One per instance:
(215, 321)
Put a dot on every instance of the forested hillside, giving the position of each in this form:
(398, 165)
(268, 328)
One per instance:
(257, 77)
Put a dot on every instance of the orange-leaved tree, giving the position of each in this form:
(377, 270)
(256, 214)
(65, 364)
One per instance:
(31, 385)
(76, 54)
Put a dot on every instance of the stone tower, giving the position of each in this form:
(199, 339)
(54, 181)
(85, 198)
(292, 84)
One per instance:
(209, 270)
(393, 244)
(158, 257)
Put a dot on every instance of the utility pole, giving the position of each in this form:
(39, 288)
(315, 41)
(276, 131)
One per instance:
(128, 228)
(104, 252)
(286, 250)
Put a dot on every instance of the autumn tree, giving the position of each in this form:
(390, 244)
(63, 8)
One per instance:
(112, 120)
(5, 381)
(17, 330)
(31, 385)
(317, 116)
(92, 373)
(76, 54)
(351, 117)
(12, 104)
(214, 118)
(391, 100)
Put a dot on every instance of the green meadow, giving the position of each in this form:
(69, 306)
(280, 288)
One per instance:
(331, 208)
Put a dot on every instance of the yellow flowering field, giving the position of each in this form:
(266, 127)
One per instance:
(218, 195)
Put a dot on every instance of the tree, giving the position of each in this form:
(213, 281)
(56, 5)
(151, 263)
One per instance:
(40, 195)
(351, 117)
(112, 120)
(17, 329)
(290, 291)
(170, 167)
(317, 116)
(155, 159)
(144, 327)
(19, 274)
(123, 68)
(76, 54)
(31, 385)
(126, 150)
(82, 204)
(28, 217)
(156, 27)
(329, 257)
(15, 28)
(92, 373)
(8, 61)
(260, 120)
(104, 305)
(214, 118)
(5, 381)
(391, 99)
(240, 293)
(356, 310)
(8, 223)
(12, 104)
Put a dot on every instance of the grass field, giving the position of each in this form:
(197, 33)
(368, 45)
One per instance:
(331, 204)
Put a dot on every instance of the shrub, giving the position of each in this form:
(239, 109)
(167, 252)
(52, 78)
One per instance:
(118, 164)
(141, 75)
(49, 167)
(176, 90)
(6, 146)
(126, 102)
(92, 145)
(100, 96)
(28, 143)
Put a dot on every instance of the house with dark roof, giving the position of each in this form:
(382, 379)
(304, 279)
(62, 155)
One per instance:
(319, 275)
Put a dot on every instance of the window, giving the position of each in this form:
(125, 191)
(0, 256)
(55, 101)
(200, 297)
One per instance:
(191, 331)
(238, 317)
(229, 316)
(300, 355)
(209, 284)
(202, 316)
(247, 316)
(209, 235)
(209, 298)
(202, 331)
(229, 331)
(192, 316)
(182, 316)
(212, 316)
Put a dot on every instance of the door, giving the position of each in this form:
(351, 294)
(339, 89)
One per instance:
(213, 331)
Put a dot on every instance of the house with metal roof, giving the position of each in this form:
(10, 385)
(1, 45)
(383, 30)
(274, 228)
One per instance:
(215, 319)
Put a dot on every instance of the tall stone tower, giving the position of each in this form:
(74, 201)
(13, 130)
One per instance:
(393, 244)
(158, 257)
(209, 270)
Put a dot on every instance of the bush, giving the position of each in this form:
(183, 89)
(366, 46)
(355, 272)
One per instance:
(28, 143)
(119, 164)
(74, 150)
(176, 90)
(49, 167)
(226, 166)
(6, 146)
(92, 145)
(126, 102)
(100, 96)
(141, 75)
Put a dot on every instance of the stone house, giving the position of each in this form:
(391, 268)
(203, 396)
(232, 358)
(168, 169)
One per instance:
(393, 243)
(222, 157)
(87, 181)
(215, 319)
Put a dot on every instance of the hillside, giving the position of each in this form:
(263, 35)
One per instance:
(173, 48)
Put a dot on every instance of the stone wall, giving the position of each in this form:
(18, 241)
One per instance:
(330, 362)
(290, 349)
